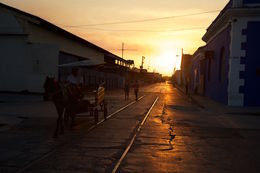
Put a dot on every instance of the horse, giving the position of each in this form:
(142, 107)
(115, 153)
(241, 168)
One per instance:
(59, 97)
(67, 100)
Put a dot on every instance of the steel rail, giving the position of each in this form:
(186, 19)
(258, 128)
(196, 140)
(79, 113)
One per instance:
(134, 137)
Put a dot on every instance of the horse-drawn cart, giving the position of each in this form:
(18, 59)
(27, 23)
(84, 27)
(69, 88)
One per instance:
(71, 101)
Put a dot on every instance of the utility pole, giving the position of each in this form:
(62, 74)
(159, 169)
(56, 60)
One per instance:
(123, 49)
(142, 64)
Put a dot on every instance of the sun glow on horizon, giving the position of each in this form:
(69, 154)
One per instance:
(167, 61)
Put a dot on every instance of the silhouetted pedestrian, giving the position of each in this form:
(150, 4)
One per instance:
(127, 89)
(136, 89)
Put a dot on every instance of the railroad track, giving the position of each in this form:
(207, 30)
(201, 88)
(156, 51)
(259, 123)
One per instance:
(116, 167)
(87, 131)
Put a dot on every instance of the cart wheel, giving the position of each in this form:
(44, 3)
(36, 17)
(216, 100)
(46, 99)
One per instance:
(105, 110)
(96, 115)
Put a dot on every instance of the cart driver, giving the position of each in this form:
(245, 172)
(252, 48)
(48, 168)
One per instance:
(74, 78)
(76, 83)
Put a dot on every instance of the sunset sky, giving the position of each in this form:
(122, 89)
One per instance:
(159, 40)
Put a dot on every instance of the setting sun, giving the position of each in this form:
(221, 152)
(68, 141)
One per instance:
(167, 61)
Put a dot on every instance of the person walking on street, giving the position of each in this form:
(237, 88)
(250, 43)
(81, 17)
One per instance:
(127, 89)
(187, 86)
(136, 89)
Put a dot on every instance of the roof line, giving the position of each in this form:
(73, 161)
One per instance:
(227, 6)
(54, 27)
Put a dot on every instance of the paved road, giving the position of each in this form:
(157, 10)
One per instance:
(178, 136)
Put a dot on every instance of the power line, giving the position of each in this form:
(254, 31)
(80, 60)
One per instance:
(152, 31)
(142, 20)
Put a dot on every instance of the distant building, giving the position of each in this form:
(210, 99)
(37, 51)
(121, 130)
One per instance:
(32, 48)
(229, 64)
(185, 68)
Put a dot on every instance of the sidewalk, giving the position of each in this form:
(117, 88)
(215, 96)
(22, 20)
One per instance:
(211, 105)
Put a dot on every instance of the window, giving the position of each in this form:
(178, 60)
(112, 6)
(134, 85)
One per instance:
(222, 65)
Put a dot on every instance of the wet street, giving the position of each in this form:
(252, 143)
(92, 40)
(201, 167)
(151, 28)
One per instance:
(177, 136)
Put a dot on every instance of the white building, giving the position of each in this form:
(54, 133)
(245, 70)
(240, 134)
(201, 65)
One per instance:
(32, 48)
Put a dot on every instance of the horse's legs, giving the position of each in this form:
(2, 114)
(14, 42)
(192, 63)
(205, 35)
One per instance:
(70, 113)
(60, 113)
(72, 119)
(66, 117)
(74, 108)
(55, 135)
(62, 121)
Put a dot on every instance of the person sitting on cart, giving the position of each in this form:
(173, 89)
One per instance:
(75, 87)
(74, 78)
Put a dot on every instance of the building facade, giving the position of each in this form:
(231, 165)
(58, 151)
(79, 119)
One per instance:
(32, 48)
(230, 64)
